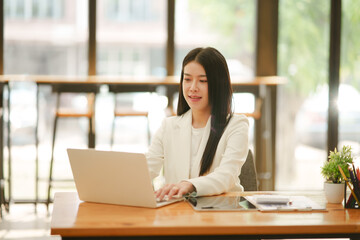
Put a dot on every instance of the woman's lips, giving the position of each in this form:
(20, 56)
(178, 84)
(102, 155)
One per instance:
(194, 98)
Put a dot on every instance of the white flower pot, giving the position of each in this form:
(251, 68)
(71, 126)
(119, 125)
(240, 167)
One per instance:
(334, 192)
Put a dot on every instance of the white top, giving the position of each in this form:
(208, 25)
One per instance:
(196, 136)
(170, 149)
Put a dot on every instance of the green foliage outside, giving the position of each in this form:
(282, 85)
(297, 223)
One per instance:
(232, 22)
(303, 45)
(350, 43)
(303, 36)
(330, 168)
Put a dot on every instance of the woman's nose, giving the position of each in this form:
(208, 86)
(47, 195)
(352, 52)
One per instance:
(193, 86)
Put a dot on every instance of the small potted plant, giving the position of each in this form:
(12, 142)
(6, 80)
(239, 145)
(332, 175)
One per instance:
(335, 184)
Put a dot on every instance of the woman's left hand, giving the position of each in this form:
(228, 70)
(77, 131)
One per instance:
(171, 190)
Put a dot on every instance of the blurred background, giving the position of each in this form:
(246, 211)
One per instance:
(50, 37)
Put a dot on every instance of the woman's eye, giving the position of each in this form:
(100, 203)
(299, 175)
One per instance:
(187, 79)
(203, 81)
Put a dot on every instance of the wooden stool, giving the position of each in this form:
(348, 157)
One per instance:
(120, 111)
(256, 114)
(129, 113)
(89, 114)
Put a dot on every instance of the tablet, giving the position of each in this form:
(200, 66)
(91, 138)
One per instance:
(220, 203)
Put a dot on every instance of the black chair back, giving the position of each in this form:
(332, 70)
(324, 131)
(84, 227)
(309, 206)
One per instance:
(248, 177)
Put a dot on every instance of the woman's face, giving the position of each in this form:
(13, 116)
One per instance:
(195, 87)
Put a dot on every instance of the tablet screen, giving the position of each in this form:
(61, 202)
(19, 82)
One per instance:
(220, 203)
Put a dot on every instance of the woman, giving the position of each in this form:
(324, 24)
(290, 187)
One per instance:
(203, 148)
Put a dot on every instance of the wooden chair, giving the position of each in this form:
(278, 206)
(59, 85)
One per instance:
(248, 176)
(91, 91)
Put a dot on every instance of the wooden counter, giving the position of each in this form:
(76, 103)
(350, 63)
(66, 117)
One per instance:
(74, 218)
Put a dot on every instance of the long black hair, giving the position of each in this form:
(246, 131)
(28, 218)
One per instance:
(220, 97)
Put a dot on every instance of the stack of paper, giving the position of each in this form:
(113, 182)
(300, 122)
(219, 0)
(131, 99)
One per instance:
(283, 203)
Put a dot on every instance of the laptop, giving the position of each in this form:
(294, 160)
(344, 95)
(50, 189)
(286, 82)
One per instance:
(113, 177)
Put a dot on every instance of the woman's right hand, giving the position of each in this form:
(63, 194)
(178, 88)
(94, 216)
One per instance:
(174, 190)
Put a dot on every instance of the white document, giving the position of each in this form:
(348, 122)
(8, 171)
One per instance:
(294, 203)
(271, 199)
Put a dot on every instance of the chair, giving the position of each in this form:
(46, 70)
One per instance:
(3, 200)
(248, 178)
(2, 180)
(91, 91)
(128, 111)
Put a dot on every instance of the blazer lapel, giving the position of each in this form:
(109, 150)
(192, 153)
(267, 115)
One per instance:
(183, 145)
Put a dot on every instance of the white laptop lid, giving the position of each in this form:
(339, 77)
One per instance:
(112, 177)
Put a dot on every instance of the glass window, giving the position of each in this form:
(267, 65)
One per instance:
(131, 37)
(303, 50)
(349, 91)
(228, 26)
(45, 37)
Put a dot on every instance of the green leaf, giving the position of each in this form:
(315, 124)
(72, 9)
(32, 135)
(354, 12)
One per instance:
(330, 169)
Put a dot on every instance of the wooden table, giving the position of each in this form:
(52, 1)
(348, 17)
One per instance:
(74, 218)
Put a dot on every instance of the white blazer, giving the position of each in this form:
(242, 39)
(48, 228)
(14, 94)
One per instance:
(170, 148)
